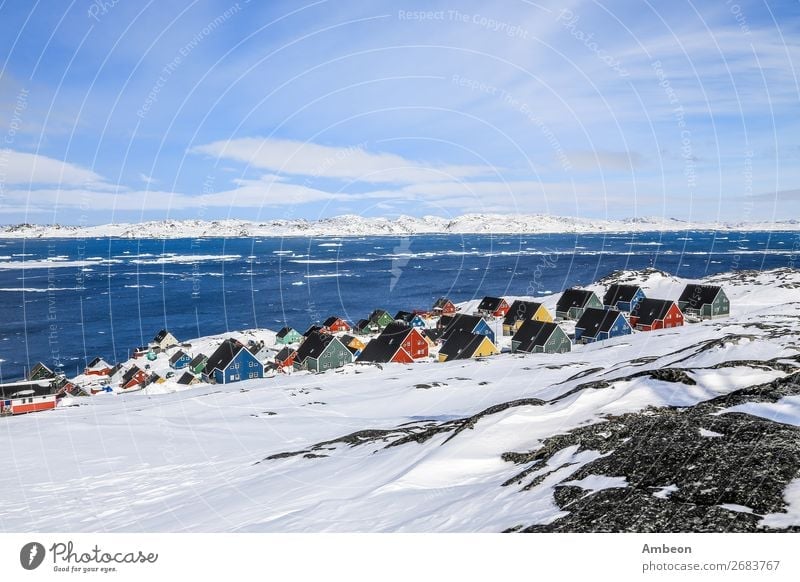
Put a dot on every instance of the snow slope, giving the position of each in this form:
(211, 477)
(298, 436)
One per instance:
(423, 447)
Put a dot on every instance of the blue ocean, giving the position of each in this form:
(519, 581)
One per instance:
(65, 301)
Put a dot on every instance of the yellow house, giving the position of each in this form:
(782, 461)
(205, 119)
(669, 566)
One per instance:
(522, 311)
(463, 345)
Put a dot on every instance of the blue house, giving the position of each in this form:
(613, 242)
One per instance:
(623, 297)
(232, 362)
(600, 324)
(410, 319)
(468, 323)
(179, 360)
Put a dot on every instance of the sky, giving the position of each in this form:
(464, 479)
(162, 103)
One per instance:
(122, 111)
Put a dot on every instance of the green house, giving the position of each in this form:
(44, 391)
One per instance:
(198, 364)
(704, 302)
(380, 318)
(321, 352)
(540, 337)
(573, 302)
(288, 335)
(41, 372)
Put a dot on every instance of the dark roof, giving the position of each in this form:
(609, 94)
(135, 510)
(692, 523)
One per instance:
(461, 323)
(332, 320)
(381, 349)
(441, 302)
(312, 329)
(619, 292)
(594, 321)
(94, 362)
(445, 320)
(315, 344)
(533, 333)
(284, 331)
(39, 387)
(132, 371)
(223, 355)
(433, 334)
(284, 354)
(396, 329)
(461, 345)
(177, 356)
(573, 298)
(41, 366)
(362, 324)
(377, 314)
(406, 316)
(490, 303)
(347, 339)
(198, 359)
(520, 310)
(159, 337)
(187, 378)
(698, 295)
(650, 310)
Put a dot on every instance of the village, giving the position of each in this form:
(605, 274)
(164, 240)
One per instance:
(446, 332)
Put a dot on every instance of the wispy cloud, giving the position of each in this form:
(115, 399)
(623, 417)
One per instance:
(26, 168)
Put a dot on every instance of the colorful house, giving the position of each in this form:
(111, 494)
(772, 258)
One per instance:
(366, 327)
(573, 302)
(540, 337)
(600, 324)
(97, 367)
(232, 362)
(353, 344)
(180, 360)
(198, 364)
(522, 311)
(493, 307)
(462, 345)
(188, 379)
(41, 372)
(443, 306)
(623, 297)
(164, 340)
(398, 343)
(288, 335)
(408, 318)
(381, 318)
(313, 329)
(468, 323)
(285, 357)
(321, 352)
(652, 314)
(25, 400)
(135, 377)
(335, 324)
(704, 301)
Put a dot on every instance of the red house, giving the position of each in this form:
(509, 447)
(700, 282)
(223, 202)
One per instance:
(285, 358)
(444, 306)
(494, 306)
(397, 343)
(135, 376)
(651, 314)
(335, 324)
(27, 401)
(97, 367)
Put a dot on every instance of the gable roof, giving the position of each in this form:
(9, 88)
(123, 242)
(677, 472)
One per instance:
(284, 331)
(406, 316)
(490, 303)
(37, 387)
(462, 323)
(594, 321)
(312, 329)
(397, 329)
(441, 303)
(41, 366)
(315, 344)
(377, 314)
(198, 359)
(533, 333)
(177, 356)
(698, 295)
(132, 371)
(284, 354)
(97, 361)
(620, 292)
(649, 310)
(187, 378)
(159, 337)
(223, 355)
(573, 298)
(521, 310)
(381, 349)
(461, 345)
(362, 325)
(332, 320)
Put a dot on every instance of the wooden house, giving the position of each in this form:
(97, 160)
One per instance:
(140, 351)
(381, 318)
(704, 301)
(623, 297)
(97, 367)
(652, 314)
(313, 329)
(493, 307)
(321, 352)
(462, 345)
(180, 360)
(462, 322)
(285, 357)
(188, 379)
(397, 343)
(26, 401)
(41, 372)
(573, 302)
(335, 324)
(443, 306)
(133, 378)
(444, 321)
(353, 344)
(198, 364)
(288, 335)
(260, 350)
(600, 324)
(366, 327)
(164, 340)
(540, 337)
(409, 318)
(232, 362)
(522, 311)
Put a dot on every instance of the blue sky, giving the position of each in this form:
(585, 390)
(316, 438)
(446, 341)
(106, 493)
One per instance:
(124, 111)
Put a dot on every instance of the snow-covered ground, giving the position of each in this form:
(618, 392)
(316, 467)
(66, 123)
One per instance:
(353, 225)
(398, 448)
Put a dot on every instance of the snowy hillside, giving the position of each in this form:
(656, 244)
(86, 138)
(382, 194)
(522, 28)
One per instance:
(686, 429)
(353, 225)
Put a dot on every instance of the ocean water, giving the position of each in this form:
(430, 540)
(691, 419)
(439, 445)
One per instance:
(68, 300)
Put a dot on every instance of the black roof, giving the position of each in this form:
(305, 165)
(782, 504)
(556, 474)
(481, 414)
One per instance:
(312, 329)
(223, 355)
(490, 303)
(94, 362)
(39, 387)
(461, 323)
(533, 333)
(573, 298)
(363, 324)
(445, 320)
(441, 302)
(41, 366)
(315, 344)
(282, 355)
(381, 349)
(698, 295)
(461, 345)
(331, 320)
(594, 321)
(283, 332)
(521, 310)
(177, 356)
(186, 379)
(406, 316)
(377, 314)
(198, 359)
(159, 337)
(620, 292)
(346, 339)
(132, 371)
(397, 329)
(650, 310)
(433, 334)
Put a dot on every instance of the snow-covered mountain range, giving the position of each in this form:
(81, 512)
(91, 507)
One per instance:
(354, 225)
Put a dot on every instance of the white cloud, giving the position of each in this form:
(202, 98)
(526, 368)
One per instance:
(24, 168)
(147, 179)
(344, 163)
